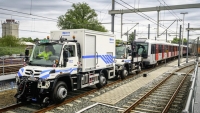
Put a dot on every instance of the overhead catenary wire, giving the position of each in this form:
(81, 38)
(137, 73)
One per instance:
(27, 30)
(149, 18)
(172, 12)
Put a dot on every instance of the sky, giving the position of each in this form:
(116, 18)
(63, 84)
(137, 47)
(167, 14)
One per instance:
(38, 17)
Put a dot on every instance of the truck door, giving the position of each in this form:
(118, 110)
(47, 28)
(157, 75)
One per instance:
(90, 49)
(72, 58)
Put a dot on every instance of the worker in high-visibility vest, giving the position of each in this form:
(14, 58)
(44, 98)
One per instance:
(45, 54)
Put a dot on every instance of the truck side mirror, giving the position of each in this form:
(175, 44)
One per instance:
(65, 57)
(26, 55)
(26, 52)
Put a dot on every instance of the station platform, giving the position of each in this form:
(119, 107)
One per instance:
(117, 94)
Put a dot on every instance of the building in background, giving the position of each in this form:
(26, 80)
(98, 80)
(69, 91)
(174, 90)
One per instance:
(10, 27)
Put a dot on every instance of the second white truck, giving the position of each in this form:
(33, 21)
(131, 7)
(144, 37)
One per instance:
(127, 60)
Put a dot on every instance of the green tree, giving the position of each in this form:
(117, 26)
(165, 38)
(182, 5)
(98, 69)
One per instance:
(80, 16)
(118, 41)
(29, 39)
(176, 41)
(35, 40)
(10, 41)
(131, 37)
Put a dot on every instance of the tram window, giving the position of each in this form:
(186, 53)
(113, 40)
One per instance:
(153, 48)
(160, 48)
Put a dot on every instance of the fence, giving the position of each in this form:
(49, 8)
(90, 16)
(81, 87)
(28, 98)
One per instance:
(10, 64)
(189, 108)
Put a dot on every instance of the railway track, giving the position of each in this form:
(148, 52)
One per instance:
(165, 96)
(71, 97)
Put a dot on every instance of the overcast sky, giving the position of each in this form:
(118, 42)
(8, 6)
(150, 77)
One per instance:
(45, 13)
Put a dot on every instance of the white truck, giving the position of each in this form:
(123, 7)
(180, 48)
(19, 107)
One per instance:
(79, 58)
(127, 60)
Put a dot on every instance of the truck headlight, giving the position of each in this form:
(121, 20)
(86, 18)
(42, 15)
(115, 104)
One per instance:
(17, 79)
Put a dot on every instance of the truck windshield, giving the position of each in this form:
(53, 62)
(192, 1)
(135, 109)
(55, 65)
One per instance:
(45, 54)
(120, 51)
(142, 48)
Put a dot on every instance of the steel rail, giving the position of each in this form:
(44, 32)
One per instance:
(11, 107)
(128, 110)
(165, 110)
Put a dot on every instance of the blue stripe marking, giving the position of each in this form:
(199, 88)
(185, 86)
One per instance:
(73, 70)
(19, 74)
(70, 70)
(45, 71)
(22, 69)
(89, 56)
(102, 58)
(110, 60)
(45, 76)
(105, 59)
(111, 57)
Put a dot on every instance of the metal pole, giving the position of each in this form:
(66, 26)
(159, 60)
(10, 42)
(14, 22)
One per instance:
(3, 65)
(166, 35)
(182, 34)
(176, 28)
(179, 47)
(134, 34)
(148, 31)
(127, 34)
(197, 49)
(187, 43)
(121, 24)
(113, 16)
(155, 37)
(158, 24)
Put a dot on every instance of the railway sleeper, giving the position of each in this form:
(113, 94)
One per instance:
(155, 103)
(147, 110)
(135, 111)
(166, 90)
(154, 100)
(161, 94)
(151, 106)
(158, 97)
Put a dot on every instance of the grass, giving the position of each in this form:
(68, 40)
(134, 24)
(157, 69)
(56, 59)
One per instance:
(11, 50)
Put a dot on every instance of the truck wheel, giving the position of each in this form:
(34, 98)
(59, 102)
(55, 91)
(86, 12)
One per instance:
(102, 80)
(139, 69)
(60, 92)
(124, 73)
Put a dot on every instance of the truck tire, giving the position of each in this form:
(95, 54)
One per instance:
(60, 92)
(102, 80)
(138, 70)
(124, 73)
